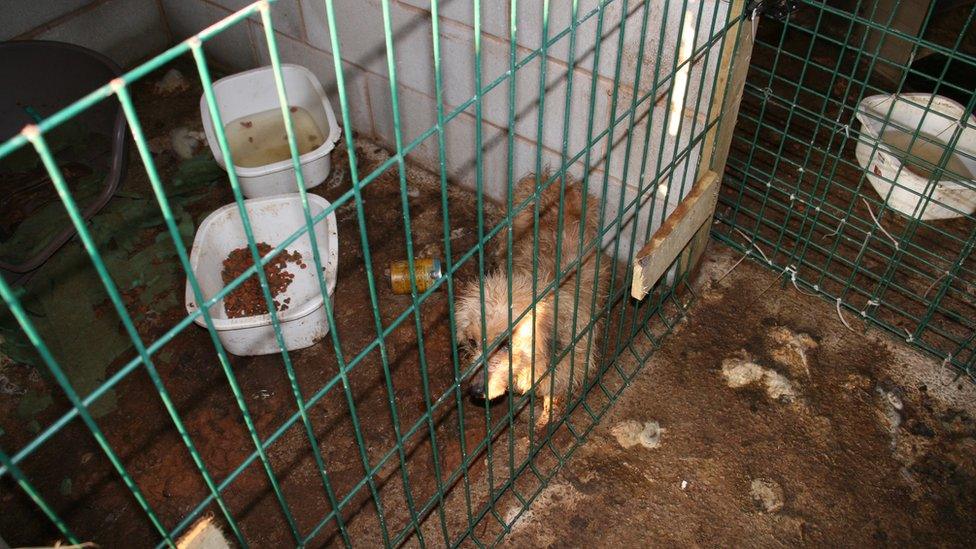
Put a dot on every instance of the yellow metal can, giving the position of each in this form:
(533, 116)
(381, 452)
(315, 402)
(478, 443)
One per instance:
(428, 270)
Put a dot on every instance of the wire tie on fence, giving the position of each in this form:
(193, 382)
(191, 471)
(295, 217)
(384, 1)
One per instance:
(754, 245)
(910, 338)
(792, 270)
(876, 222)
(841, 316)
(934, 282)
(946, 366)
(767, 93)
(870, 303)
(836, 231)
(958, 124)
(741, 259)
(792, 197)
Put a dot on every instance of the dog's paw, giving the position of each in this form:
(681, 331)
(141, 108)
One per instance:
(544, 413)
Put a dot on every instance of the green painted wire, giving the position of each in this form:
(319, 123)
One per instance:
(211, 100)
(480, 207)
(448, 252)
(364, 240)
(643, 166)
(21, 479)
(584, 190)
(142, 144)
(33, 134)
(590, 345)
(283, 103)
(418, 325)
(631, 120)
(560, 221)
(536, 298)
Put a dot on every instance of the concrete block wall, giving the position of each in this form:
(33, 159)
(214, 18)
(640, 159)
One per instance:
(94, 24)
(303, 38)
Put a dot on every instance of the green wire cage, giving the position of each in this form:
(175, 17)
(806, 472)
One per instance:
(796, 192)
(131, 425)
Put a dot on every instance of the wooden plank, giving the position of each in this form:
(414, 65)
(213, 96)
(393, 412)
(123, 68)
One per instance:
(736, 55)
(672, 236)
(203, 535)
(733, 66)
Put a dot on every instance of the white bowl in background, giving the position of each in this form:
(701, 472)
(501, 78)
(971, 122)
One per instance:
(273, 219)
(937, 118)
(252, 92)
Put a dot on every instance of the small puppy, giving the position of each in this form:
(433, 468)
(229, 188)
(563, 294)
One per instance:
(531, 366)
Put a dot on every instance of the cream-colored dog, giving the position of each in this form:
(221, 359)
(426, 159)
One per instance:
(531, 351)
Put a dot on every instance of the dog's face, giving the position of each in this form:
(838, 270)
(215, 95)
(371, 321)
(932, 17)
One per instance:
(510, 355)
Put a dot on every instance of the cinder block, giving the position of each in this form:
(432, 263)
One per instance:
(323, 66)
(142, 35)
(285, 15)
(417, 114)
(230, 49)
(494, 13)
(462, 149)
(23, 17)
(362, 40)
(655, 156)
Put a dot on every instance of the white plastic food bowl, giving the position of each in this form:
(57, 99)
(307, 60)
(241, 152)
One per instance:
(251, 92)
(949, 198)
(273, 219)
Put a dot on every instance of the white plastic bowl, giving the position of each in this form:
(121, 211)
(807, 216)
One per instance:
(251, 92)
(272, 219)
(908, 114)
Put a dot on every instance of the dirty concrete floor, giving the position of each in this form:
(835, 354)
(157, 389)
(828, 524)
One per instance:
(829, 451)
(868, 443)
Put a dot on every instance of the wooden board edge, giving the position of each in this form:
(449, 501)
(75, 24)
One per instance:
(673, 235)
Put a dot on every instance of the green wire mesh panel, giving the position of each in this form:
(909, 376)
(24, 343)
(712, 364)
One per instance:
(366, 437)
(889, 244)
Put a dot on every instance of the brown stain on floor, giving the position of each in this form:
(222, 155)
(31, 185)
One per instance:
(846, 483)
(843, 482)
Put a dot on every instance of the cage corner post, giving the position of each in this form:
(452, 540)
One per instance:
(685, 234)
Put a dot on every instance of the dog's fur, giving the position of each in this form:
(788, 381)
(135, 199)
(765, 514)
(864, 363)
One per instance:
(526, 373)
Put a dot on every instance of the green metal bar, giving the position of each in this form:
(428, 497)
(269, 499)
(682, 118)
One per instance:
(480, 207)
(632, 118)
(448, 252)
(418, 325)
(204, 72)
(316, 256)
(142, 144)
(364, 242)
(564, 151)
(624, 12)
(32, 134)
(21, 479)
(509, 239)
(585, 192)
